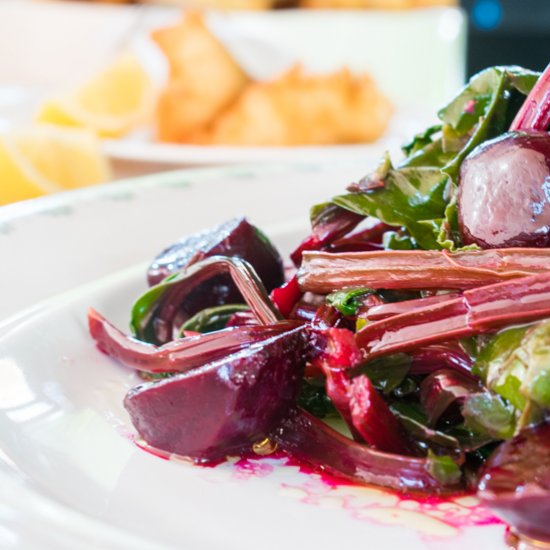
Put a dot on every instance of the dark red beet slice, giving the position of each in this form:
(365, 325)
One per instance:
(236, 237)
(516, 482)
(224, 407)
(504, 192)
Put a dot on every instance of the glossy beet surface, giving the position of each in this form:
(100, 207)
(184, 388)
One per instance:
(224, 407)
(504, 192)
(516, 482)
(236, 237)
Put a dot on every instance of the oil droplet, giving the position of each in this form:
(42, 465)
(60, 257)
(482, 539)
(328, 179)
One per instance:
(264, 447)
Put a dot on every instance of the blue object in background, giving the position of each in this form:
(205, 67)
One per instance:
(487, 14)
(507, 32)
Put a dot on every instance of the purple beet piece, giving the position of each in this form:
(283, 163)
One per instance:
(236, 237)
(516, 482)
(504, 192)
(224, 407)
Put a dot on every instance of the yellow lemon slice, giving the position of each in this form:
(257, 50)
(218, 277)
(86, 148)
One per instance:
(45, 159)
(112, 103)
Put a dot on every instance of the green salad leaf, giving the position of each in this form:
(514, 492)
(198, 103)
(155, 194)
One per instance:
(398, 240)
(516, 365)
(387, 373)
(347, 302)
(482, 110)
(443, 468)
(488, 413)
(411, 197)
(313, 398)
(419, 193)
(144, 307)
(212, 318)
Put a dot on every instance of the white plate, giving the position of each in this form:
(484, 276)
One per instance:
(72, 476)
(55, 243)
(139, 154)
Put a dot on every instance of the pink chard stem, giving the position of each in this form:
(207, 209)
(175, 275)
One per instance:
(476, 311)
(323, 272)
(180, 355)
(534, 114)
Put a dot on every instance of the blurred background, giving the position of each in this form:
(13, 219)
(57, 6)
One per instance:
(504, 32)
(92, 91)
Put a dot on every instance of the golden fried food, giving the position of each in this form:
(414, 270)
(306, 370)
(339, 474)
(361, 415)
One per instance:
(208, 99)
(375, 4)
(226, 4)
(299, 109)
(204, 79)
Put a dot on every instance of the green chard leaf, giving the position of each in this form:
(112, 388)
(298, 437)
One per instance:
(468, 439)
(212, 318)
(144, 308)
(418, 195)
(387, 373)
(488, 413)
(536, 382)
(406, 388)
(313, 398)
(449, 235)
(482, 110)
(347, 302)
(443, 468)
(421, 140)
(516, 365)
(410, 409)
(499, 367)
(412, 197)
(398, 240)
(414, 423)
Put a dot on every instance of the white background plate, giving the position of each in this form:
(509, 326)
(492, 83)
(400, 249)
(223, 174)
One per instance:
(73, 478)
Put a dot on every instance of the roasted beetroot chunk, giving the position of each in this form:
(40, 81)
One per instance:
(223, 407)
(503, 192)
(516, 482)
(234, 238)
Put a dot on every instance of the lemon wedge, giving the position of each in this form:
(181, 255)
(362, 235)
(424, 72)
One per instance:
(112, 103)
(44, 159)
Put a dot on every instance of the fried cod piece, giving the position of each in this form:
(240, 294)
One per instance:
(203, 79)
(300, 109)
(375, 4)
(254, 5)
